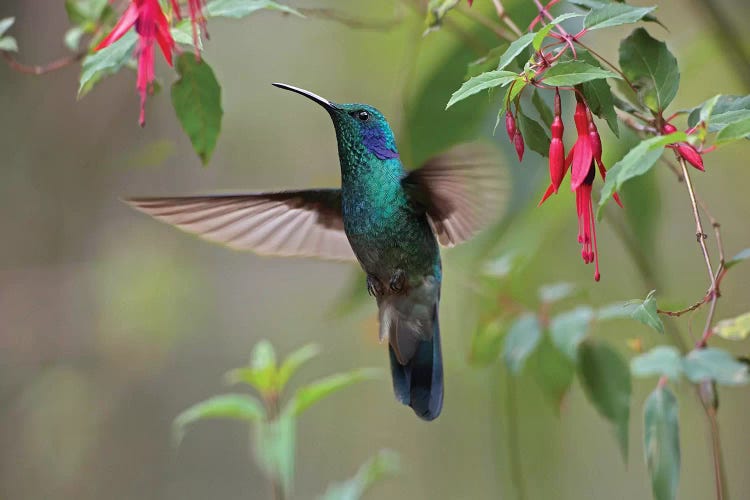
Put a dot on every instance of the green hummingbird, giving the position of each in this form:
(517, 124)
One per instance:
(387, 219)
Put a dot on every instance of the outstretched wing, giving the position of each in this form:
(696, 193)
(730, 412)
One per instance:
(461, 191)
(300, 223)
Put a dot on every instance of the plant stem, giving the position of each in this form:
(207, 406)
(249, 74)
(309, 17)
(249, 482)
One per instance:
(500, 9)
(40, 70)
(474, 15)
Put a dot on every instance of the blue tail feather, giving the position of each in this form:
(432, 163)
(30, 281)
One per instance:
(419, 383)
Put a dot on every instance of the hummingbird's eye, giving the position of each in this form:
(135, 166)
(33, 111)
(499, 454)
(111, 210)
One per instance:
(363, 115)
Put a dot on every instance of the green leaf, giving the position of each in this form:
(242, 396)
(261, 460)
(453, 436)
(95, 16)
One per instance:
(386, 463)
(737, 328)
(645, 312)
(615, 14)
(106, 61)
(661, 360)
(487, 342)
(294, 362)
(308, 395)
(196, 98)
(225, 406)
(182, 33)
(487, 63)
(554, 371)
(83, 12)
(715, 364)
(545, 113)
(734, 131)
(638, 161)
(534, 135)
(661, 443)
(651, 68)
(569, 73)
(8, 44)
(555, 292)
(515, 49)
(568, 330)
(523, 337)
(274, 449)
(743, 255)
(238, 9)
(538, 39)
(720, 111)
(606, 381)
(481, 82)
(5, 24)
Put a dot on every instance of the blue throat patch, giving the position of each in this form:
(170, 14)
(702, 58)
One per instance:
(376, 142)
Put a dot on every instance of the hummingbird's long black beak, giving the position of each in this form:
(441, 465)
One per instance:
(310, 95)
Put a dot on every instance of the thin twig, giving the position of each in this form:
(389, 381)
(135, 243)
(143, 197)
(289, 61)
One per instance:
(40, 70)
(611, 65)
(503, 15)
(475, 15)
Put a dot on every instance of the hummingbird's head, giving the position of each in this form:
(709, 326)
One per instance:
(360, 128)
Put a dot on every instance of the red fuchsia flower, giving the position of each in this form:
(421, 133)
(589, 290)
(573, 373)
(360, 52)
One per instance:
(556, 147)
(510, 125)
(583, 158)
(519, 145)
(152, 26)
(684, 149)
(197, 18)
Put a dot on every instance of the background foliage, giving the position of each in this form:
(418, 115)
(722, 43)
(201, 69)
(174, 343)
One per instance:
(112, 325)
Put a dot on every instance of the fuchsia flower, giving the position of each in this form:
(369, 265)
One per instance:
(684, 149)
(583, 158)
(514, 135)
(152, 26)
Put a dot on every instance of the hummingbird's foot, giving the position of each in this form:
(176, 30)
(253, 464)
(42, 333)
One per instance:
(374, 286)
(398, 281)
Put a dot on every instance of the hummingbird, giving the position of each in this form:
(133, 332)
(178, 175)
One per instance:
(389, 220)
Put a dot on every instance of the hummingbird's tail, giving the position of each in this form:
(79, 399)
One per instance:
(414, 346)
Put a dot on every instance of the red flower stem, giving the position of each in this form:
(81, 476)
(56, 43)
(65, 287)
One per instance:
(41, 70)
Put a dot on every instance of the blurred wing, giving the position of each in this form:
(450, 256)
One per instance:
(301, 223)
(462, 191)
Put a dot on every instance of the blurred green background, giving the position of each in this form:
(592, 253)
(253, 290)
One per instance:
(111, 323)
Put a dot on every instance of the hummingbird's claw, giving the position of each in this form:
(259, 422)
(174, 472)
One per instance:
(374, 286)
(398, 280)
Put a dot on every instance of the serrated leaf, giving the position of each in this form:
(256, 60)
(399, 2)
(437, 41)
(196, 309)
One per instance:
(515, 49)
(554, 371)
(238, 9)
(309, 394)
(386, 463)
(534, 135)
(605, 377)
(196, 98)
(568, 330)
(5, 24)
(274, 449)
(715, 364)
(638, 161)
(737, 328)
(8, 44)
(743, 255)
(225, 406)
(106, 61)
(569, 73)
(646, 313)
(661, 443)
(651, 68)
(555, 292)
(734, 131)
(614, 14)
(540, 35)
(545, 113)
(294, 362)
(725, 110)
(661, 360)
(487, 342)
(523, 337)
(481, 82)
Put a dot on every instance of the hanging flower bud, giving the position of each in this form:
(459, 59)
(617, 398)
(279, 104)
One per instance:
(556, 147)
(510, 125)
(686, 150)
(518, 143)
